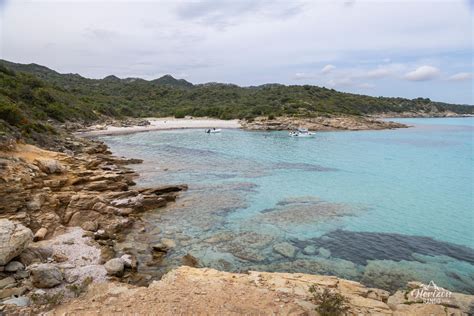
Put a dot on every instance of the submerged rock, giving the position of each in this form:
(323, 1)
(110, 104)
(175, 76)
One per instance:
(285, 249)
(323, 252)
(310, 250)
(190, 260)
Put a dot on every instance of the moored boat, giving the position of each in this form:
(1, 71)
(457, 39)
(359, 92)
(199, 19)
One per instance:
(213, 130)
(301, 132)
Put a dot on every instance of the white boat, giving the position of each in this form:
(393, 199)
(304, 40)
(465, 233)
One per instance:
(213, 130)
(301, 132)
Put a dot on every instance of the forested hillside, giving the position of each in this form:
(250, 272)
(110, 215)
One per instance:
(33, 96)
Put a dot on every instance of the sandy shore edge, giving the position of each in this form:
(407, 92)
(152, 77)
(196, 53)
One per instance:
(160, 124)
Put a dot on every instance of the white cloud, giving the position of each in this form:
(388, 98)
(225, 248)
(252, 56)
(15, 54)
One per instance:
(341, 82)
(245, 42)
(366, 85)
(303, 76)
(327, 69)
(379, 73)
(462, 76)
(423, 73)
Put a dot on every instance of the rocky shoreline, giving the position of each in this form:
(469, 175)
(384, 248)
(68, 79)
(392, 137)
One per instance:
(63, 214)
(43, 193)
(322, 123)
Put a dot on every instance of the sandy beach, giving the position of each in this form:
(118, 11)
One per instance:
(157, 124)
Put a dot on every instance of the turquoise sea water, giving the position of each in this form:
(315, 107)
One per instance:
(380, 207)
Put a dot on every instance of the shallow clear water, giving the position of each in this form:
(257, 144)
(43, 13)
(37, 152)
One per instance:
(380, 207)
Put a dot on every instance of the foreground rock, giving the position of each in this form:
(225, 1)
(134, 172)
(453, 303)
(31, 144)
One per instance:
(45, 275)
(50, 194)
(47, 191)
(187, 290)
(14, 237)
(322, 123)
(115, 267)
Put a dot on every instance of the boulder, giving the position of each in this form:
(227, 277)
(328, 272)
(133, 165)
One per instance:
(14, 237)
(135, 201)
(114, 267)
(285, 249)
(15, 291)
(45, 275)
(21, 301)
(35, 254)
(190, 261)
(36, 203)
(49, 166)
(129, 261)
(14, 266)
(7, 282)
(90, 226)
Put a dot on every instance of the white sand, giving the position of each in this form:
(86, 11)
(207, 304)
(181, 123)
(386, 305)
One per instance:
(162, 124)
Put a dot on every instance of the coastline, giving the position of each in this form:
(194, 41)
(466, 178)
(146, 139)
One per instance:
(160, 124)
(117, 208)
(333, 123)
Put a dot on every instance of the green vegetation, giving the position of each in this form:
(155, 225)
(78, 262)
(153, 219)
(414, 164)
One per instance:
(29, 105)
(33, 96)
(328, 303)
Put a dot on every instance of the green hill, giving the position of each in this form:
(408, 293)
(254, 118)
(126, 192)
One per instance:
(33, 97)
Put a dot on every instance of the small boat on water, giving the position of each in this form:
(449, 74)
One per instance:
(213, 130)
(301, 132)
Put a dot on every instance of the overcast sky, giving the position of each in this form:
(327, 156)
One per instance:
(407, 48)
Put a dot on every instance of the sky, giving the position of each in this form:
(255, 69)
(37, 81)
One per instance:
(406, 48)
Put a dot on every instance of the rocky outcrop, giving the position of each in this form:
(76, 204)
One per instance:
(14, 237)
(211, 292)
(47, 191)
(321, 123)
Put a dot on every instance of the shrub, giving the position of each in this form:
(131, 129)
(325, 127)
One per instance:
(329, 303)
(11, 114)
(179, 113)
(56, 111)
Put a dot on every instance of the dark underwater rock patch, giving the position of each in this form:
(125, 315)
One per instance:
(359, 247)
